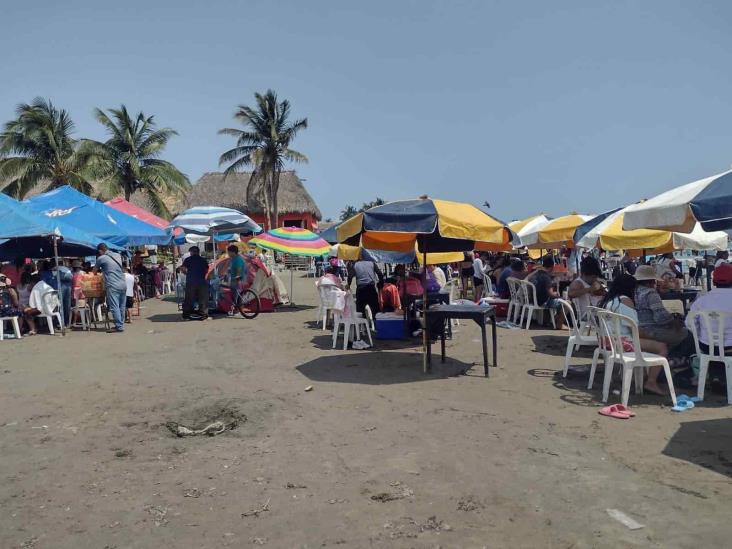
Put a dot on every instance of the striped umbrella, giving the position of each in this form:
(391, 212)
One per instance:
(708, 201)
(526, 226)
(556, 233)
(292, 241)
(606, 232)
(210, 220)
(435, 225)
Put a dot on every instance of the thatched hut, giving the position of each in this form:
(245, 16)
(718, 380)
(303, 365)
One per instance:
(296, 207)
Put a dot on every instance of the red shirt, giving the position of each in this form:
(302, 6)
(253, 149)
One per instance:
(389, 297)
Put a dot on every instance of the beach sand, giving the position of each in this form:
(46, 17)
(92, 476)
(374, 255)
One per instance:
(377, 454)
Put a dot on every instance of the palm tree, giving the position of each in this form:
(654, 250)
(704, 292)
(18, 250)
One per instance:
(129, 161)
(37, 147)
(348, 212)
(264, 145)
(373, 204)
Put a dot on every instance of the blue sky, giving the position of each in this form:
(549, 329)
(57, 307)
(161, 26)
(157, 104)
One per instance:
(532, 106)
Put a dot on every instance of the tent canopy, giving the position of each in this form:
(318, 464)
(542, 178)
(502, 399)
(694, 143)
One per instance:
(122, 205)
(27, 233)
(94, 217)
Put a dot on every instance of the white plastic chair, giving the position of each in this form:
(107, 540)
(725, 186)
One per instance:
(516, 302)
(594, 329)
(633, 362)
(369, 316)
(453, 290)
(50, 310)
(82, 311)
(167, 282)
(348, 321)
(14, 322)
(328, 295)
(576, 339)
(714, 324)
(487, 286)
(531, 305)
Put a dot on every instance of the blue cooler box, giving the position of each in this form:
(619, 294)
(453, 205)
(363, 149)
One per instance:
(389, 326)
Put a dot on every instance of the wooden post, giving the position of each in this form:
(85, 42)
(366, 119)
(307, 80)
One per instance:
(425, 367)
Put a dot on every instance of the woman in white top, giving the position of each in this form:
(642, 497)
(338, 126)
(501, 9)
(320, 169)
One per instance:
(586, 290)
(25, 287)
(619, 299)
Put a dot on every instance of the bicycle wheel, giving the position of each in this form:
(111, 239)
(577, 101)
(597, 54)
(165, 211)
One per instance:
(248, 304)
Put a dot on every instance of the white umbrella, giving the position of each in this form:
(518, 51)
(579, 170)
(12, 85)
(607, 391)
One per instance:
(708, 201)
(609, 234)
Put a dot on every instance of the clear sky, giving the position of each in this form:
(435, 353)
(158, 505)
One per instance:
(532, 106)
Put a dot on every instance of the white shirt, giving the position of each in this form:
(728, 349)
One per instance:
(36, 296)
(130, 283)
(477, 268)
(439, 275)
(719, 300)
(719, 262)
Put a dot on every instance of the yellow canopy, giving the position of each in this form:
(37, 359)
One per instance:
(353, 253)
(556, 233)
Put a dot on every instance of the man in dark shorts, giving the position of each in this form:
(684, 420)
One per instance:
(195, 268)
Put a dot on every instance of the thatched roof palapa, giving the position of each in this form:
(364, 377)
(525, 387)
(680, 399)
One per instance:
(213, 189)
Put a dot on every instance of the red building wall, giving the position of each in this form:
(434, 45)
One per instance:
(304, 220)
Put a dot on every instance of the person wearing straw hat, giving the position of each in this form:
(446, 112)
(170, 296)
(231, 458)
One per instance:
(654, 320)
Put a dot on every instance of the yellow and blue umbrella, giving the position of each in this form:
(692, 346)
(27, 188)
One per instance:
(555, 233)
(606, 232)
(433, 225)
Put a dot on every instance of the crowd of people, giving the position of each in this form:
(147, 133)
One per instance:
(25, 284)
(630, 286)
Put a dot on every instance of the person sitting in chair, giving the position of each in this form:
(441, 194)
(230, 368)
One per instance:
(718, 299)
(546, 293)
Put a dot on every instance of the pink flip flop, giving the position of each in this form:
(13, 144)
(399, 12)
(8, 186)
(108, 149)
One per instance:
(625, 410)
(613, 411)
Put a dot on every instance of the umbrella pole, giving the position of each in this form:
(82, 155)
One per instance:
(292, 303)
(425, 367)
(58, 286)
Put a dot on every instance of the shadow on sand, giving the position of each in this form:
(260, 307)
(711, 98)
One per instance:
(707, 443)
(378, 367)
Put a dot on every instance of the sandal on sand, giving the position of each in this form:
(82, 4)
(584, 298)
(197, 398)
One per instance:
(614, 411)
(625, 410)
(682, 405)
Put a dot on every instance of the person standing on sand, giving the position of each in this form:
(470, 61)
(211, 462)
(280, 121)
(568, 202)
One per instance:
(195, 269)
(110, 265)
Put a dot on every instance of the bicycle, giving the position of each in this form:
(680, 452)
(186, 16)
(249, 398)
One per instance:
(245, 302)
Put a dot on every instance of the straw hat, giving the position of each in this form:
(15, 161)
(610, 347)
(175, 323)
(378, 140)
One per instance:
(645, 272)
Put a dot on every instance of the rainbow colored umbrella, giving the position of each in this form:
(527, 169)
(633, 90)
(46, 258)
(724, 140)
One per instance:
(293, 241)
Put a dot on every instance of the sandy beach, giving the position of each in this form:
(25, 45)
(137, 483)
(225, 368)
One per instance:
(377, 454)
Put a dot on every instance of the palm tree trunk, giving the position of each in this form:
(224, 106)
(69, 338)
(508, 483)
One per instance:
(275, 192)
(267, 207)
